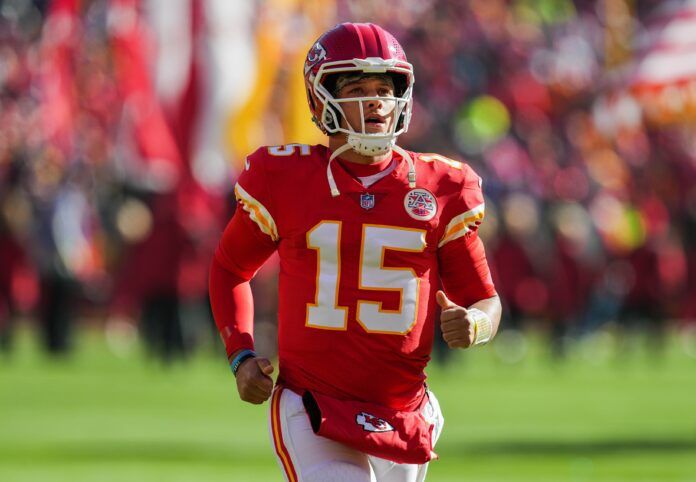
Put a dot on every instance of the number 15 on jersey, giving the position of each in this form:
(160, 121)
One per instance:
(325, 313)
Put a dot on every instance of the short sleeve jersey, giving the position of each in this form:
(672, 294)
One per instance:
(358, 271)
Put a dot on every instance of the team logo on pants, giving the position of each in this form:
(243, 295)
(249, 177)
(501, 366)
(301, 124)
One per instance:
(371, 423)
(420, 204)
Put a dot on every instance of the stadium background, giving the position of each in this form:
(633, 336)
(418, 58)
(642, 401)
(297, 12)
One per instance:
(123, 124)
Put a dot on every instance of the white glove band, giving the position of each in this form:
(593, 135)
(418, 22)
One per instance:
(483, 326)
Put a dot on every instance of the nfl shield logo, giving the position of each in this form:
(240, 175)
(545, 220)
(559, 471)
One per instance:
(367, 201)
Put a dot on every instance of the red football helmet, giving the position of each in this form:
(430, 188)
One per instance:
(359, 48)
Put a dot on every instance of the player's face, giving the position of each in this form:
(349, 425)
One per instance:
(378, 113)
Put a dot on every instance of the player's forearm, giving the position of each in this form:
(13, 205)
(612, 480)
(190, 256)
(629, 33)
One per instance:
(493, 308)
(233, 308)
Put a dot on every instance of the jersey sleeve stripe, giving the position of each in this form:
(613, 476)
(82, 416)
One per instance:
(257, 212)
(462, 224)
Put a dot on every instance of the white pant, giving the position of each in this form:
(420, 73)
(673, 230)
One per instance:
(306, 457)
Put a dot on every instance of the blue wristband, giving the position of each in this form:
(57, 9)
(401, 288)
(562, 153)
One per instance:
(241, 356)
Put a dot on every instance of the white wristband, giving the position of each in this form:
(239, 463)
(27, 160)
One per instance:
(483, 326)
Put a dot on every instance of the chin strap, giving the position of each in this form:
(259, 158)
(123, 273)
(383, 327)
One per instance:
(332, 183)
(411, 166)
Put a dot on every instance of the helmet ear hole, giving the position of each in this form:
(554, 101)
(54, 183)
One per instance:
(329, 119)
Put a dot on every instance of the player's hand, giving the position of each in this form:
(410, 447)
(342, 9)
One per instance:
(458, 329)
(254, 383)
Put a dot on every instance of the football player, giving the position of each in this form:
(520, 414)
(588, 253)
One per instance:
(365, 232)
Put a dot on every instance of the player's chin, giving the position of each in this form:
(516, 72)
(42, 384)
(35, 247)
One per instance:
(376, 128)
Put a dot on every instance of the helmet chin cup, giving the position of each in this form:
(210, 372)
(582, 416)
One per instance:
(371, 144)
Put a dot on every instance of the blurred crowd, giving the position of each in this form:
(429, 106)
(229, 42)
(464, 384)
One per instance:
(101, 215)
(589, 169)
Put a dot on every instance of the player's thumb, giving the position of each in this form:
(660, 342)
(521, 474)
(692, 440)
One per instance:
(265, 366)
(443, 300)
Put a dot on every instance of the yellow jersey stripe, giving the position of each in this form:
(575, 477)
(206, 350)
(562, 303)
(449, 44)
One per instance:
(462, 224)
(257, 212)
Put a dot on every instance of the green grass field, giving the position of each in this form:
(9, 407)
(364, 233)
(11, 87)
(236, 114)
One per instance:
(597, 416)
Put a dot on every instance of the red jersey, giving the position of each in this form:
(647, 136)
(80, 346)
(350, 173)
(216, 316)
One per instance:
(359, 271)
